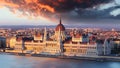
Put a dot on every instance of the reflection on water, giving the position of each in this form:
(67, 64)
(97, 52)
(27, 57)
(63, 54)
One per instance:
(10, 61)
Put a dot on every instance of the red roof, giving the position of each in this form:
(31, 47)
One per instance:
(78, 35)
(38, 34)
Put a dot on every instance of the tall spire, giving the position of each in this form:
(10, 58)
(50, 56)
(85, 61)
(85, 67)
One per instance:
(60, 21)
(45, 34)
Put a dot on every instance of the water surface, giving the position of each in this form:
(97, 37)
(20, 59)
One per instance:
(11, 61)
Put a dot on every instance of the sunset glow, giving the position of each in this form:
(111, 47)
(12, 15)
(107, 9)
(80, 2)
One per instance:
(60, 33)
(49, 11)
(10, 18)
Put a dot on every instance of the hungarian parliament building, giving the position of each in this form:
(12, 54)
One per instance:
(60, 44)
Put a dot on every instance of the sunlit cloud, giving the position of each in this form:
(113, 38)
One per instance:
(9, 18)
(1, 6)
(69, 10)
(5, 3)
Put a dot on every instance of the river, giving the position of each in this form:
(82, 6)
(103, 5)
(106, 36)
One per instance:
(11, 61)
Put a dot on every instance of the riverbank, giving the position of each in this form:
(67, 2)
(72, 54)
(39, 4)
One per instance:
(97, 58)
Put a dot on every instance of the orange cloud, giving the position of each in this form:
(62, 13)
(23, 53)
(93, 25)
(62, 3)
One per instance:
(1, 6)
(27, 7)
(31, 1)
(32, 6)
(50, 9)
(8, 4)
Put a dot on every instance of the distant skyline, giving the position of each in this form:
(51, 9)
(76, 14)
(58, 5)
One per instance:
(43, 12)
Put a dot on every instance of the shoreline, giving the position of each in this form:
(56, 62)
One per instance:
(99, 58)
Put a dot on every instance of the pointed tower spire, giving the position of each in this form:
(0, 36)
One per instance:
(45, 34)
(60, 20)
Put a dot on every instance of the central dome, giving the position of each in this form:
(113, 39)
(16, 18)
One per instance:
(60, 27)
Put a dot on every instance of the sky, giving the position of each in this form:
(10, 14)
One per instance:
(9, 18)
(48, 12)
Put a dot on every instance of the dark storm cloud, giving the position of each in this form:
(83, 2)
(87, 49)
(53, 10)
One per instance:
(75, 10)
(69, 5)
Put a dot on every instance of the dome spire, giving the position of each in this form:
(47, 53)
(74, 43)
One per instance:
(60, 21)
(60, 26)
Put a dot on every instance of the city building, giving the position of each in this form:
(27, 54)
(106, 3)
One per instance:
(59, 43)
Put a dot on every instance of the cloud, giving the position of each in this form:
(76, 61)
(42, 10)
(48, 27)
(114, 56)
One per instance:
(106, 6)
(5, 3)
(1, 6)
(115, 12)
(67, 9)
